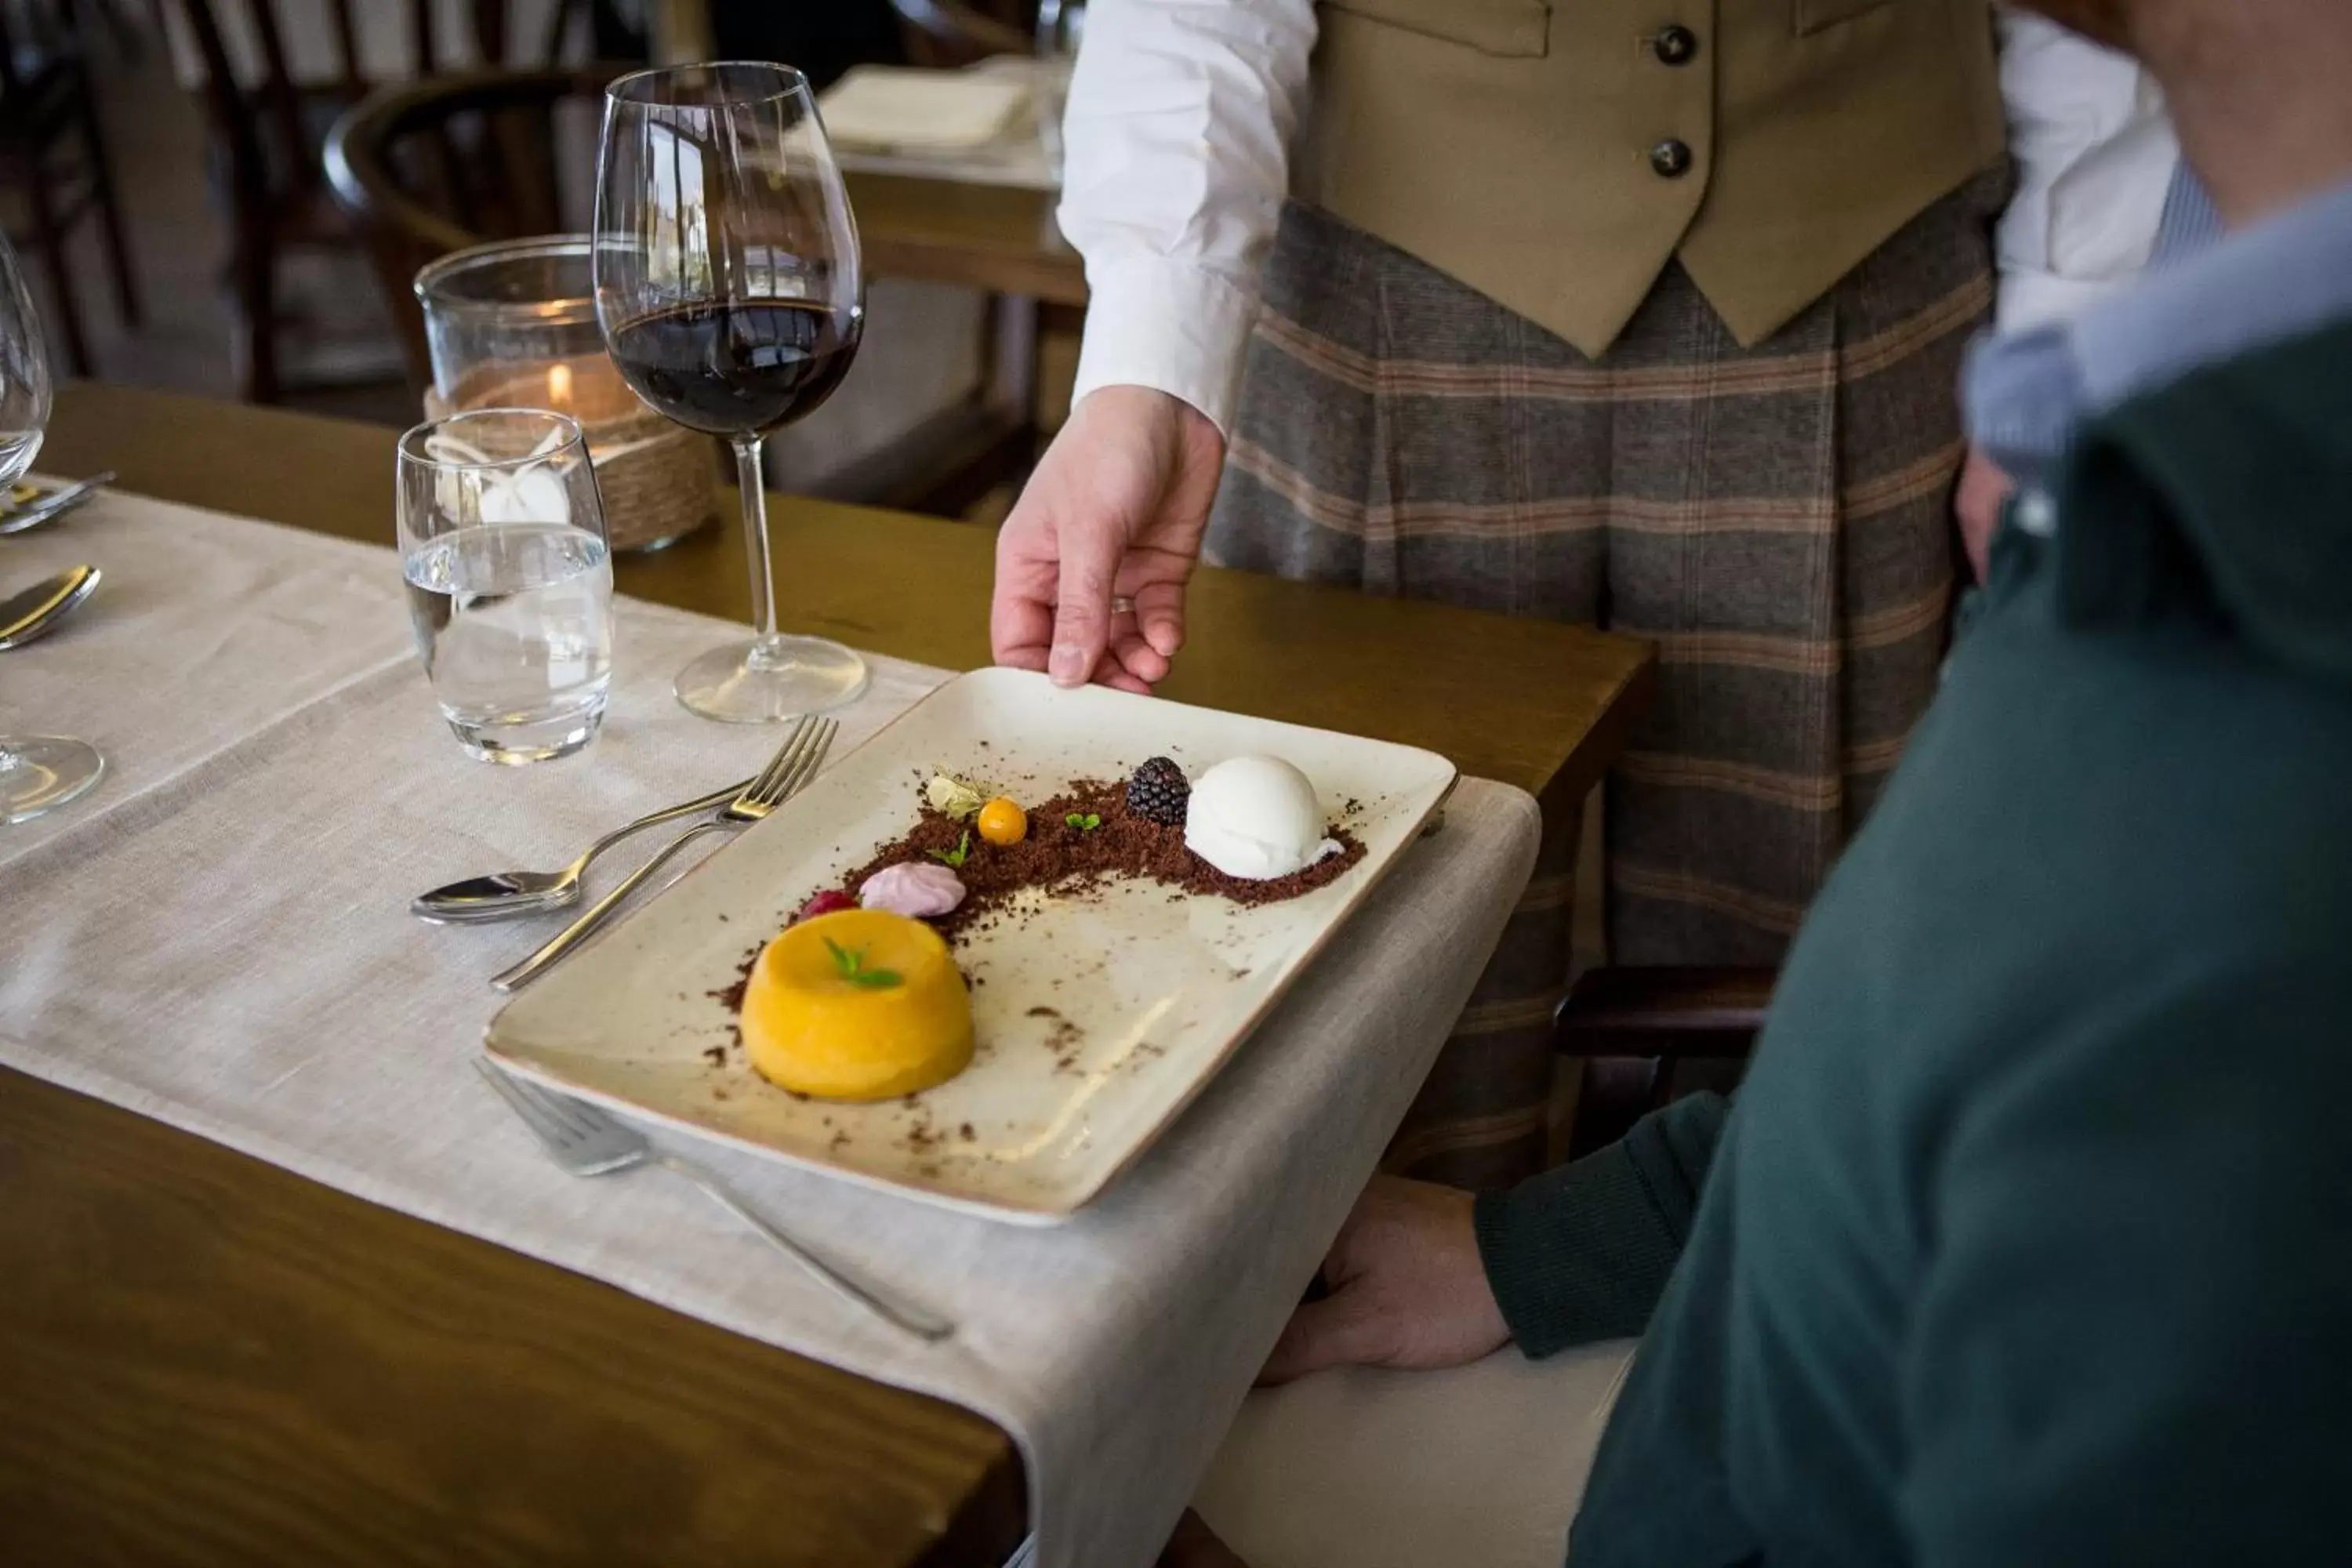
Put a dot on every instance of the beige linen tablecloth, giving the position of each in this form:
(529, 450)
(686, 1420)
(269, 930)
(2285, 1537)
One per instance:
(218, 938)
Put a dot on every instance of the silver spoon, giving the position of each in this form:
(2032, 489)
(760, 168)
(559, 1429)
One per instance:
(53, 505)
(504, 894)
(38, 609)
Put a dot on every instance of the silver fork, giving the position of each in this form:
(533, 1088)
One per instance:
(587, 1142)
(794, 763)
(47, 509)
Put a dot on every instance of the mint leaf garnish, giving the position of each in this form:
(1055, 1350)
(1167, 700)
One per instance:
(850, 963)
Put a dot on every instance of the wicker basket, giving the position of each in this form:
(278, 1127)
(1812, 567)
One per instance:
(659, 481)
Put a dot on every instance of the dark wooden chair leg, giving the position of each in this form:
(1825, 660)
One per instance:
(1010, 357)
(110, 213)
(256, 344)
(1615, 1093)
(50, 240)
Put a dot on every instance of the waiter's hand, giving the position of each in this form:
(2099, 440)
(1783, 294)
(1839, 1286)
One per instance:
(1984, 490)
(1115, 510)
(1408, 1289)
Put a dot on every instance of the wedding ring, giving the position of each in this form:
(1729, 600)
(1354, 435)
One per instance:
(1122, 606)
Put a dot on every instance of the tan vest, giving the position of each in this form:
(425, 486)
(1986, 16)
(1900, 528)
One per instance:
(1530, 149)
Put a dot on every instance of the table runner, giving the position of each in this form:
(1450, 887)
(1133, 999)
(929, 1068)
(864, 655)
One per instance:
(306, 1019)
(153, 671)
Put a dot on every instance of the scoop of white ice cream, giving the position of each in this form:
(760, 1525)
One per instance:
(1256, 818)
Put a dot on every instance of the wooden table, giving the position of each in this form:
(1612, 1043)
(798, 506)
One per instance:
(205, 1359)
(997, 238)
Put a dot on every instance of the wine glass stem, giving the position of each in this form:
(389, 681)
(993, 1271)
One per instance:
(751, 475)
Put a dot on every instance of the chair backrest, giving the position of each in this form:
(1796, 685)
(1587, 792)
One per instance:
(959, 32)
(431, 166)
(255, 96)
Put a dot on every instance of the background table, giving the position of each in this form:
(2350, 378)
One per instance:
(225, 1302)
(998, 238)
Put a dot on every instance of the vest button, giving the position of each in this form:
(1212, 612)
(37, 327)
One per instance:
(1672, 160)
(1676, 46)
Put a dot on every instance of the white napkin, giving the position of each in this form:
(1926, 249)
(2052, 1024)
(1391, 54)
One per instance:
(905, 106)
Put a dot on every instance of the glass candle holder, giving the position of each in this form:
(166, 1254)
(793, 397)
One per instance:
(513, 325)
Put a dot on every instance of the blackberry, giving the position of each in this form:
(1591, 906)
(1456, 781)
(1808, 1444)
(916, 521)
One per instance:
(1158, 793)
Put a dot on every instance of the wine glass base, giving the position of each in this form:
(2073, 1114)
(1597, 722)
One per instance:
(42, 773)
(768, 682)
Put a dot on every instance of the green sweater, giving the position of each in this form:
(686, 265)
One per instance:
(2029, 1242)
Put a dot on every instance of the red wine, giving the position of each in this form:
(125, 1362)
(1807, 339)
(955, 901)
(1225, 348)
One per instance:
(740, 368)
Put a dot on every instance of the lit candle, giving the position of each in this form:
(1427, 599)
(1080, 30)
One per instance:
(586, 386)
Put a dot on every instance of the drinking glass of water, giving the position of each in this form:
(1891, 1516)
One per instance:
(510, 579)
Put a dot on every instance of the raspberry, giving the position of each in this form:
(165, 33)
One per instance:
(830, 902)
(1158, 793)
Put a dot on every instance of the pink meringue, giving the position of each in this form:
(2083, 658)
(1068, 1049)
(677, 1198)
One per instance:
(916, 890)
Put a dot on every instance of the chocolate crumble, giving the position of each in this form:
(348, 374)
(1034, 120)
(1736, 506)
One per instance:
(1060, 858)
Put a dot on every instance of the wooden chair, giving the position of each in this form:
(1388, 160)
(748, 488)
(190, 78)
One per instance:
(433, 166)
(46, 107)
(270, 138)
(1646, 1037)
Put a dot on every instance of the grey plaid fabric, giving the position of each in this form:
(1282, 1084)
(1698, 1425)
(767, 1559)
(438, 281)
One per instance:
(1776, 520)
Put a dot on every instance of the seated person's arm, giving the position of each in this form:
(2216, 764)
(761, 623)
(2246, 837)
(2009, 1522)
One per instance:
(1582, 1253)
(2132, 1347)
(1424, 1275)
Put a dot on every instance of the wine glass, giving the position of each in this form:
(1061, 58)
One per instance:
(37, 773)
(730, 293)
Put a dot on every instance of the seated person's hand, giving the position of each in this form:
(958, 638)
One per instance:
(1408, 1289)
(1984, 490)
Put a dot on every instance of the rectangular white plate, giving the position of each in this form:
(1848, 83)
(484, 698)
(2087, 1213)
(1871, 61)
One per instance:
(1098, 1018)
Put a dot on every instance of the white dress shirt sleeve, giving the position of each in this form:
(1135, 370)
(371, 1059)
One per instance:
(2095, 155)
(1176, 159)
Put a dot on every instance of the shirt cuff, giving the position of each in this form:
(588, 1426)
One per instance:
(1582, 1253)
(1547, 1245)
(2021, 396)
(1177, 328)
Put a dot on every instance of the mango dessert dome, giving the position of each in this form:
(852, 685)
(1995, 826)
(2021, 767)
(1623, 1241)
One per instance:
(860, 1004)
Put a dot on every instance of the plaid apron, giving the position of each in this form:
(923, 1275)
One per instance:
(1774, 520)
